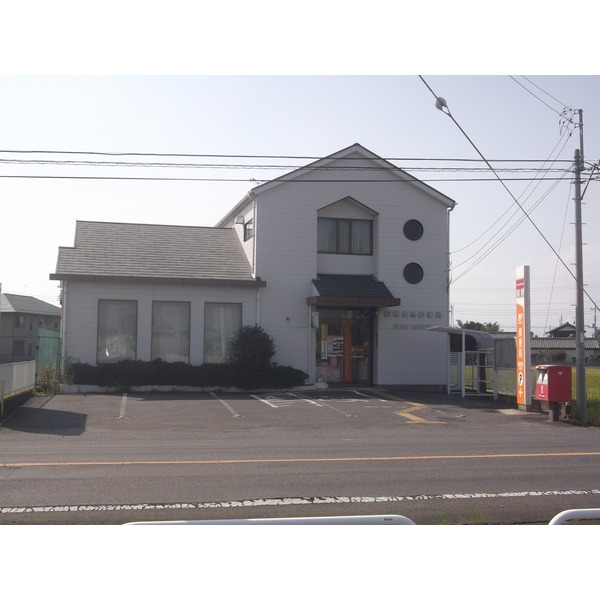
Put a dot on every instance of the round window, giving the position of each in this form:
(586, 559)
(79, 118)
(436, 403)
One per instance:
(413, 229)
(413, 273)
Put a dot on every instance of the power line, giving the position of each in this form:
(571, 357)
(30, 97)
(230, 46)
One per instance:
(537, 97)
(353, 168)
(514, 209)
(442, 105)
(254, 156)
(261, 181)
(563, 104)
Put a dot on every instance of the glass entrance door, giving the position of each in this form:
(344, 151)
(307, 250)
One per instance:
(344, 346)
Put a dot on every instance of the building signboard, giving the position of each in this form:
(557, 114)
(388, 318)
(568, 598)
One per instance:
(523, 339)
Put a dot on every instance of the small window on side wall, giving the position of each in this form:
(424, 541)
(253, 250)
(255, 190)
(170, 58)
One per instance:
(413, 229)
(413, 273)
(248, 230)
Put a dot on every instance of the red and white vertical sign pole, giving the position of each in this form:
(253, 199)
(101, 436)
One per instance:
(523, 339)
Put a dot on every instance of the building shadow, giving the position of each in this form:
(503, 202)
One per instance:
(46, 421)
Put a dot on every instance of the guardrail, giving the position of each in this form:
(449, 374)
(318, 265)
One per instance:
(576, 514)
(14, 378)
(352, 520)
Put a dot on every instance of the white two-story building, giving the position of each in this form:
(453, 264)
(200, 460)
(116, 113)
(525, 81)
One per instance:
(343, 262)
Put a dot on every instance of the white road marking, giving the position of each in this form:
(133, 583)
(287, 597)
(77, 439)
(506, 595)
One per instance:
(369, 396)
(333, 408)
(123, 406)
(291, 501)
(227, 406)
(286, 400)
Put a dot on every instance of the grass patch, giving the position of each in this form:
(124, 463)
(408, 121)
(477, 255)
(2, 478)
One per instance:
(507, 385)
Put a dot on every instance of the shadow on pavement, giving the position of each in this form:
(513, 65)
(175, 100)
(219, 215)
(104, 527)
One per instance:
(46, 421)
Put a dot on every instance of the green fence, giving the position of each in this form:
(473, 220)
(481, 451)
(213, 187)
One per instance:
(48, 353)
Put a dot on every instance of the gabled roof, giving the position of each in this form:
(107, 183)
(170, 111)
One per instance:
(565, 330)
(154, 253)
(351, 290)
(16, 303)
(356, 151)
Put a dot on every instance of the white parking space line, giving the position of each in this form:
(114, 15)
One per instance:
(322, 402)
(369, 396)
(123, 407)
(282, 400)
(227, 406)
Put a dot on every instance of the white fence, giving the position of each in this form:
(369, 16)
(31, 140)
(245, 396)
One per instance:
(16, 377)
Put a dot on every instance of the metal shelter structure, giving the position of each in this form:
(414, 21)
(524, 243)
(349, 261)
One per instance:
(470, 371)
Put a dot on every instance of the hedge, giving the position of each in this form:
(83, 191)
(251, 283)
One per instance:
(130, 373)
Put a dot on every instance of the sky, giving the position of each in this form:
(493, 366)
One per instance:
(54, 111)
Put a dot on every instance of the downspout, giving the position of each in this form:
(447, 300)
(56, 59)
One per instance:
(254, 221)
(449, 385)
(311, 350)
(463, 365)
(63, 322)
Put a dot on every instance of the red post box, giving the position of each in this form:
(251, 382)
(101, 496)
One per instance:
(553, 385)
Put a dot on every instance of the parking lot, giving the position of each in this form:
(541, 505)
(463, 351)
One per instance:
(101, 458)
(87, 414)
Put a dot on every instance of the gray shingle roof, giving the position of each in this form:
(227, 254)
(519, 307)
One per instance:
(562, 343)
(131, 250)
(552, 343)
(16, 303)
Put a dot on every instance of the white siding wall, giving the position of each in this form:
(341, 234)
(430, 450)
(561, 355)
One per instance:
(421, 357)
(80, 327)
(287, 259)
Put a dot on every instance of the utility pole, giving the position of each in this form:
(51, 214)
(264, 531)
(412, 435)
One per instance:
(579, 315)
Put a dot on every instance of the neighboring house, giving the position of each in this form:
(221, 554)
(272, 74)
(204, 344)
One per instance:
(551, 350)
(20, 318)
(563, 331)
(343, 262)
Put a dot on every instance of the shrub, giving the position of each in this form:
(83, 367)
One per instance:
(47, 382)
(249, 367)
(133, 373)
(286, 377)
(252, 349)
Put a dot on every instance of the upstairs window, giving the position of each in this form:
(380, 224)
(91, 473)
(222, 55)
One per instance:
(345, 236)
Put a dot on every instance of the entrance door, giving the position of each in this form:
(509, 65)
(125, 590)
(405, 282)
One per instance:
(344, 347)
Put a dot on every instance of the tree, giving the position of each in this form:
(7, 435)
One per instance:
(476, 326)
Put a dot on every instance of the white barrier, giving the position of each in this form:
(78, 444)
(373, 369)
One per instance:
(576, 514)
(14, 378)
(351, 520)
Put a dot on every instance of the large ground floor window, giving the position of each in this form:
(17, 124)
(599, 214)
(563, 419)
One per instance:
(222, 320)
(345, 346)
(171, 331)
(117, 330)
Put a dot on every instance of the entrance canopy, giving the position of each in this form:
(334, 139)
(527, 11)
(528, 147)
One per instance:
(351, 291)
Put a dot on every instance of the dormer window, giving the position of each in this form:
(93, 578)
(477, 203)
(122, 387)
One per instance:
(345, 236)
